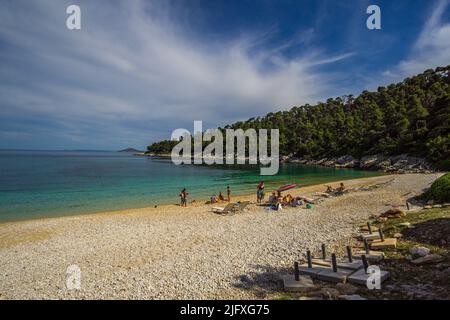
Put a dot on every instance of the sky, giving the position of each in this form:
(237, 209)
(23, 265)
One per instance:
(137, 70)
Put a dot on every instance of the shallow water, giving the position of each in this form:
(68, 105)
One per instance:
(53, 183)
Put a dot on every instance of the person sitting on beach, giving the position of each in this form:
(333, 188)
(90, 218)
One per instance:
(228, 193)
(221, 197)
(341, 188)
(272, 198)
(297, 202)
(214, 199)
(183, 196)
(277, 206)
(289, 199)
(329, 189)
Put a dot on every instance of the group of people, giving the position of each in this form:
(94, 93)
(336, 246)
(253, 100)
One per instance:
(338, 191)
(277, 201)
(214, 198)
(221, 197)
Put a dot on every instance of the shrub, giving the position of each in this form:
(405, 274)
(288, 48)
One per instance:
(440, 190)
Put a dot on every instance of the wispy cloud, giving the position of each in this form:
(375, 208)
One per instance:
(431, 49)
(132, 74)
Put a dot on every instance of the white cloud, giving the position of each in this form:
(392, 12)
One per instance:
(127, 67)
(431, 50)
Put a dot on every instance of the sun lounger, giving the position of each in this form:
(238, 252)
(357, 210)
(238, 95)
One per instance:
(241, 206)
(231, 207)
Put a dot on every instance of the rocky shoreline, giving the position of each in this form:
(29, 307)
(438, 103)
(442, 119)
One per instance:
(389, 164)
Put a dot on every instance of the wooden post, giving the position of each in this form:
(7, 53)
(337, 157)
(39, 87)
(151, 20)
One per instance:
(296, 271)
(349, 254)
(324, 253)
(365, 263)
(369, 227)
(380, 231)
(334, 262)
(366, 246)
(308, 256)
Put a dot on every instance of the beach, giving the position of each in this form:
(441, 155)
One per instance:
(170, 252)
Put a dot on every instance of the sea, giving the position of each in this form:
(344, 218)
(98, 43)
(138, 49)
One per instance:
(37, 184)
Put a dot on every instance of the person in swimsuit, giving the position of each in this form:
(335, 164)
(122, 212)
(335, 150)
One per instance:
(183, 196)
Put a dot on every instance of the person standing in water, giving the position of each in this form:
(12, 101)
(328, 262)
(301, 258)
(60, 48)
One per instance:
(183, 196)
(228, 193)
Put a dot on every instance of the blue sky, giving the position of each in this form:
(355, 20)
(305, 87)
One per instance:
(139, 69)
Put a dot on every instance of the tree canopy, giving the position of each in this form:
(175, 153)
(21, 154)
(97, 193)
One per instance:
(410, 117)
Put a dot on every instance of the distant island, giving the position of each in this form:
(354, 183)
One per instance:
(131, 150)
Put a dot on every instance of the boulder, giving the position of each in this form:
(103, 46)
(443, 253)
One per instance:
(370, 162)
(393, 213)
(419, 251)
(429, 259)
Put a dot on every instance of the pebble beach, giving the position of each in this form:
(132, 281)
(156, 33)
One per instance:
(170, 252)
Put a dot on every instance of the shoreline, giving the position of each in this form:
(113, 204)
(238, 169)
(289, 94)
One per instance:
(250, 196)
(144, 253)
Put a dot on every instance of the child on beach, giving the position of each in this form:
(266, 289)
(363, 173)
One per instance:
(183, 196)
(221, 197)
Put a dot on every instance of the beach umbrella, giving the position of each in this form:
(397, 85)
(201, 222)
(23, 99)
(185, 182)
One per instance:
(287, 187)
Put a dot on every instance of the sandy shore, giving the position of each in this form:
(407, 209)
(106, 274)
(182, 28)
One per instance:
(171, 252)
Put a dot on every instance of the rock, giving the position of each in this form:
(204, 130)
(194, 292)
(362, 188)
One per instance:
(428, 207)
(351, 297)
(408, 257)
(405, 224)
(437, 206)
(346, 288)
(442, 266)
(373, 162)
(429, 259)
(398, 235)
(329, 293)
(393, 213)
(346, 162)
(419, 251)
(445, 205)
(310, 298)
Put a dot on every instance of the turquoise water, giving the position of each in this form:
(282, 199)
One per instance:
(37, 184)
